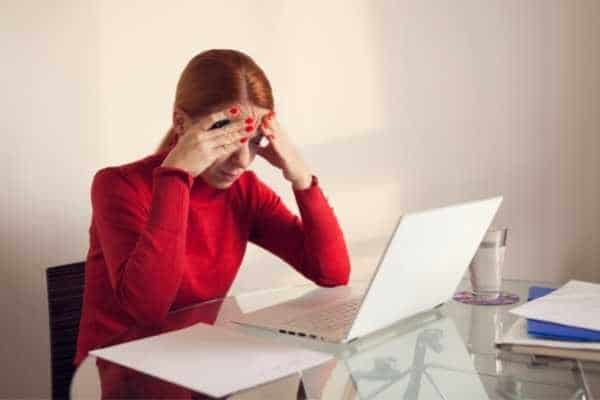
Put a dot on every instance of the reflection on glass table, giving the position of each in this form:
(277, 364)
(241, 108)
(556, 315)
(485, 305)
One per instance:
(431, 362)
(448, 353)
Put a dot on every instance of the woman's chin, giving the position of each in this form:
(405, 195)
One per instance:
(221, 183)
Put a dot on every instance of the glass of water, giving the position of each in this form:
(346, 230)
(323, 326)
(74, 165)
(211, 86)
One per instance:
(486, 267)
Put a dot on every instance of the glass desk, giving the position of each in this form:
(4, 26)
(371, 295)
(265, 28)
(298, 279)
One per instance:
(447, 353)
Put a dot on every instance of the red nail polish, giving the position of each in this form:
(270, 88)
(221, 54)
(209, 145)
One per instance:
(233, 110)
(249, 120)
(249, 128)
(244, 140)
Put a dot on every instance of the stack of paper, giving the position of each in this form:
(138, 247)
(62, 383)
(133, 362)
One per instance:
(553, 331)
(562, 323)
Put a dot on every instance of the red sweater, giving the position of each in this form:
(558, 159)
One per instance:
(161, 240)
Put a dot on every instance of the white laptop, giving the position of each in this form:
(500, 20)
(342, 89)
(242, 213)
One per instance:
(422, 265)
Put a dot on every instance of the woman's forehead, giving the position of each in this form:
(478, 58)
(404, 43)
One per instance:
(246, 109)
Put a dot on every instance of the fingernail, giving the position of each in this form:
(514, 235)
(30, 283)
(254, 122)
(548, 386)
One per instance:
(244, 140)
(249, 128)
(249, 120)
(233, 110)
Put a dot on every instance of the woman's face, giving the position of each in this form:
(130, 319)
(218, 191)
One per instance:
(224, 171)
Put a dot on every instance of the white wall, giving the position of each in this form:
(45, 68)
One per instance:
(51, 146)
(397, 105)
(502, 97)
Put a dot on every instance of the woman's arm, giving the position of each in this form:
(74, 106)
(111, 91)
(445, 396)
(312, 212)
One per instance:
(143, 248)
(314, 245)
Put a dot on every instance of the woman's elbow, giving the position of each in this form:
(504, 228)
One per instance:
(324, 282)
(340, 278)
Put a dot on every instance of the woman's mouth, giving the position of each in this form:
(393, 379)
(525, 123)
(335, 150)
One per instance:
(228, 175)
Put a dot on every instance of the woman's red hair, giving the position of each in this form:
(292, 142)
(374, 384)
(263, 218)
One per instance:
(215, 78)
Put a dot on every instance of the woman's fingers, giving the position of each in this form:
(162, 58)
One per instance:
(229, 138)
(225, 130)
(267, 125)
(226, 148)
(230, 133)
(232, 113)
(225, 127)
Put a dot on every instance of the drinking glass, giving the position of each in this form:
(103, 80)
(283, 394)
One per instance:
(486, 266)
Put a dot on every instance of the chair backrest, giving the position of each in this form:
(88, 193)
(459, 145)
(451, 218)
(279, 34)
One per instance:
(65, 298)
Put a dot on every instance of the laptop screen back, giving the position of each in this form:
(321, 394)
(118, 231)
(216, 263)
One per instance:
(423, 263)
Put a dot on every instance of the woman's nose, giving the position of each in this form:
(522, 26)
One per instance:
(241, 157)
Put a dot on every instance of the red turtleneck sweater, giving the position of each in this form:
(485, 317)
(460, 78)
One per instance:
(161, 239)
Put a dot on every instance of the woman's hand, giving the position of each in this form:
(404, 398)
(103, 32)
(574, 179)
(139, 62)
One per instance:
(198, 147)
(282, 154)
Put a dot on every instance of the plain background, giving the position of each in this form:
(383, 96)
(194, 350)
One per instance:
(395, 105)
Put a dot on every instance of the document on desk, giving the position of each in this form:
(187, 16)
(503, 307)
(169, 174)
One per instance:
(575, 304)
(212, 360)
(517, 340)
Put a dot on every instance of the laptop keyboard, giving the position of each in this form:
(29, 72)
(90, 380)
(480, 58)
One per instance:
(333, 317)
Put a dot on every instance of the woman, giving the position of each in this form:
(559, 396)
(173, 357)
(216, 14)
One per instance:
(171, 229)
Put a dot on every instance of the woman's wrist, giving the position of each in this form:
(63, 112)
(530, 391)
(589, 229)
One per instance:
(301, 183)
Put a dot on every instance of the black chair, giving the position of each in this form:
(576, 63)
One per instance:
(65, 298)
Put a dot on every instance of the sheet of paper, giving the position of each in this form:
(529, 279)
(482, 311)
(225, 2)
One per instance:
(517, 334)
(575, 304)
(212, 360)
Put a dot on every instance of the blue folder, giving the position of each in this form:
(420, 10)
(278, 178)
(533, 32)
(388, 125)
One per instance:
(552, 331)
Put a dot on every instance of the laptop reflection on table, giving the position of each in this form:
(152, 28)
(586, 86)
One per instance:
(429, 362)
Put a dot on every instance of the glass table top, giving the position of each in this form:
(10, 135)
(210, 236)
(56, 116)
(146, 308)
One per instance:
(447, 353)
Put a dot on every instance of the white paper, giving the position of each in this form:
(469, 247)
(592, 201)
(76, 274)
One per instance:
(575, 304)
(212, 360)
(517, 334)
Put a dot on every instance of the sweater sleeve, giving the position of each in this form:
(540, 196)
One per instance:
(313, 244)
(143, 248)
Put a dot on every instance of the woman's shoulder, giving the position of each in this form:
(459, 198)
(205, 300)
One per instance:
(143, 166)
(133, 175)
